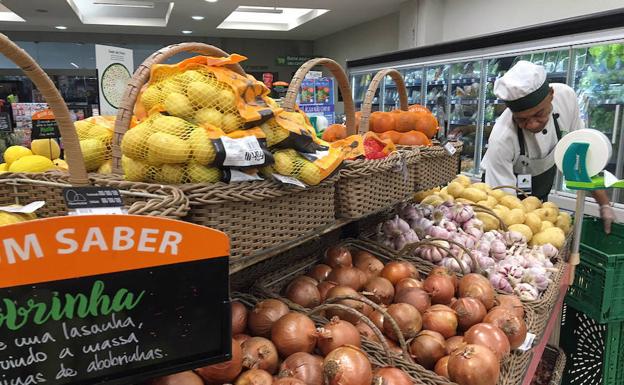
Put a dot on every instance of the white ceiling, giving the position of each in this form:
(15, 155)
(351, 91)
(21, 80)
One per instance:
(343, 14)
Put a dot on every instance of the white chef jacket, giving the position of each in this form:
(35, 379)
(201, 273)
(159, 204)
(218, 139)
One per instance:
(503, 145)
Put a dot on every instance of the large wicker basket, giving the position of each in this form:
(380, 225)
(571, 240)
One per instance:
(23, 188)
(258, 215)
(436, 166)
(513, 367)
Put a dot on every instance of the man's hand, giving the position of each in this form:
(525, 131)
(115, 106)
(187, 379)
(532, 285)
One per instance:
(608, 217)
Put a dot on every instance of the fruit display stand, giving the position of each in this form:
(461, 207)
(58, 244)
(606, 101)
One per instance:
(256, 215)
(23, 188)
(365, 185)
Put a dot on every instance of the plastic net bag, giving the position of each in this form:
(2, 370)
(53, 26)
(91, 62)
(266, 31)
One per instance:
(96, 140)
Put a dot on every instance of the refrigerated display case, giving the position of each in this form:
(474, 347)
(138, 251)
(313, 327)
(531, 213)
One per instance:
(359, 85)
(436, 93)
(413, 78)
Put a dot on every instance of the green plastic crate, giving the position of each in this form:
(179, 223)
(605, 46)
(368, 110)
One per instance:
(598, 288)
(595, 351)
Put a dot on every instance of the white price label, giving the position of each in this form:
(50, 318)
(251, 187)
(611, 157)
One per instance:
(315, 156)
(99, 211)
(285, 179)
(242, 152)
(450, 149)
(528, 342)
(239, 176)
(27, 209)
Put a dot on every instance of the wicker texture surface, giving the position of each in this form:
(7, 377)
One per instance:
(513, 367)
(436, 167)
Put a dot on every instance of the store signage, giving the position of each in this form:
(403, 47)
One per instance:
(292, 60)
(115, 66)
(316, 97)
(44, 126)
(94, 299)
(5, 122)
(93, 200)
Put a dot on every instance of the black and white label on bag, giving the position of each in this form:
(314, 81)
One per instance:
(93, 200)
(242, 152)
(449, 148)
(239, 176)
(285, 179)
(528, 342)
(315, 156)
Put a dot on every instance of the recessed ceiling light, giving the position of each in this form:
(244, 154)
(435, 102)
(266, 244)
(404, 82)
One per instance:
(8, 15)
(60, 27)
(211, 1)
(186, 32)
(269, 18)
(197, 17)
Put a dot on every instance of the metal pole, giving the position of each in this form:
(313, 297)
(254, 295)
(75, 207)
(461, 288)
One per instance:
(575, 257)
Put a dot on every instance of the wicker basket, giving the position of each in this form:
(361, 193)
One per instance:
(23, 188)
(255, 215)
(513, 367)
(365, 186)
(554, 358)
(436, 166)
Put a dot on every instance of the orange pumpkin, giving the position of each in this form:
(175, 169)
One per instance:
(426, 123)
(358, 116)
(382, 122)
(418, 108)
(405, 121)
(335, 132)
(411, 138)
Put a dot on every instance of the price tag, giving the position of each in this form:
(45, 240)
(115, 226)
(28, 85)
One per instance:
(528, 342)
(5, 122)
(449, 148)
(28, 209)
(93, 200)
(242, 152)
(315, 155)
(239, 176)
(285, 179)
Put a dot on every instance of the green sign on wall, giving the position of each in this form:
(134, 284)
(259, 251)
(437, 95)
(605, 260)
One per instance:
(292, 60)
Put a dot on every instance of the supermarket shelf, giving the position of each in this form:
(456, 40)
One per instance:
(494, 101)
(436, 82)
(466, 80)
(551, 75)
(407, 85)
(463, 122)
(465, 101)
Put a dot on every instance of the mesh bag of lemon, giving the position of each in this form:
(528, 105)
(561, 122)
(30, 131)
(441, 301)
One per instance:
(96, 140)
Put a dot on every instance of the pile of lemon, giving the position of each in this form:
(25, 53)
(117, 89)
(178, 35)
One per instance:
(43, 155)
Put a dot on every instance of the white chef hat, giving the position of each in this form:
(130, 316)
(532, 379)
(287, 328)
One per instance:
(524, 86)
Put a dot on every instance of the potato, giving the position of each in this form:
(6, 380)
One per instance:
(463, 180)
(473, 194)
(489, 222)
(547, 214)
(434, 200)
(522, 229)
(420, 195)
(514, 216)
(481, 186)
(501, 213)
(505, 209)
(534, 222)
(455, 189)
(446, 197)
(463, 201)
(553, 235)
(546, 225)
(490, 202)
(444, 190)
(498, 194)
(511, 202)
(531, 203)
(551, 205)
(563, 222)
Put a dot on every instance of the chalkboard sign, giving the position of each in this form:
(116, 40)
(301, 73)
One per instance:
(93, 299)
(44, 126)
(5, 122)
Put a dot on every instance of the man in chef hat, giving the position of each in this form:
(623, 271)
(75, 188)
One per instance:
(522, 144)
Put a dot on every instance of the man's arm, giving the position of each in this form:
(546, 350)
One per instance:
(606, 211)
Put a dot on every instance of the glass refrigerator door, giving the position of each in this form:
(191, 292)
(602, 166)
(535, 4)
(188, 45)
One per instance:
(436, 94)
(599, 85)
(465, 86)
(413, 84)
(359, 84)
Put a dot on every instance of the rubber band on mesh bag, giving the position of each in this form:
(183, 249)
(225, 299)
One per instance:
(169, 149)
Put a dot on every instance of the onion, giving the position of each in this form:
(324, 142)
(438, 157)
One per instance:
(371, 266)
(454, 343)
(294, 332)
(337, 333)
(391, 376)
(182, 378)
(255, 377)
(288, 381)
(260, 353)
(511, 301)
(407, 318)
(441, 319)
(408, 283)
(379, 290)
(319, 272)
(323, 288)
(394, 347)
(441, 367)
(339, 291)
(240, 338)
(347, 365)
(263, 315)
(239, 317)
(441, 288)
(416, 297)
(508, 321)
(303, 366)
(470, 311)
(427, 348)
(490, 336)
(303, 291)
(337, 256)
(377, 317)
(474, 365)
(444, 271)
(225, 371)
(360, 255)
(346, 276)
(366, 332)
(397, 270)
(477, 286)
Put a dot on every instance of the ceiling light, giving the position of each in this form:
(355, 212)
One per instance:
(60, 27)
(74, 64)
(211, 1)
(197, 17)
(123, 12)
(186, 32)
(7, 15)
(269, 18)
(125, 3)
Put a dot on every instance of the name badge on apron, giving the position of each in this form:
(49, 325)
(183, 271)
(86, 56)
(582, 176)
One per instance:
(523, 182)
